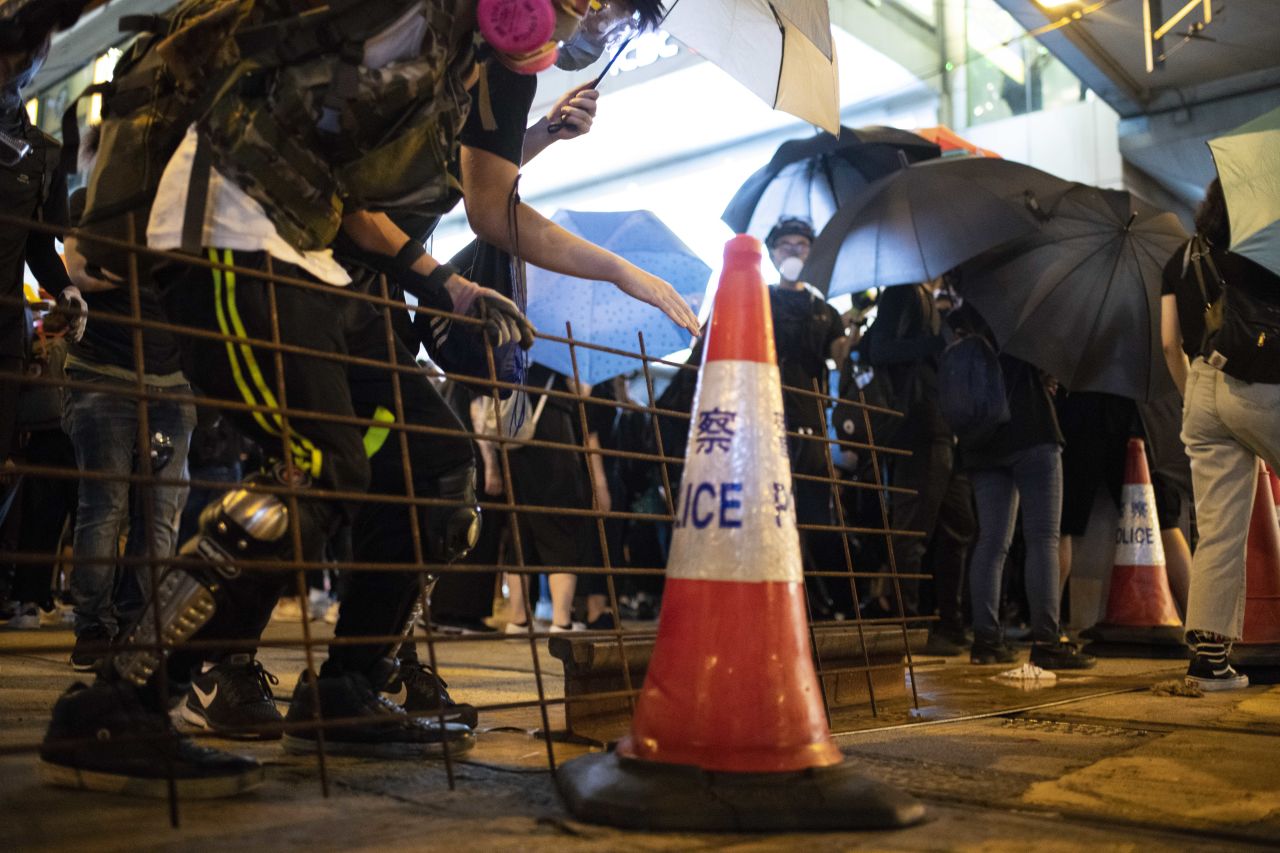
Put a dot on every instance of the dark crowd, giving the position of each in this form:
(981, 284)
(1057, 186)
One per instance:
(181, 427)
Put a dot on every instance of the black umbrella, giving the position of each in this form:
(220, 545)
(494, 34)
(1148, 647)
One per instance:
(812, 177)
(1080, 298)
(925, 220)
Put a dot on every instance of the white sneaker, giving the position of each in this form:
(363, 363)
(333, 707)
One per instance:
(318, 602)
(61, 616)
(573, 626)
(516, 628)
(26, 619)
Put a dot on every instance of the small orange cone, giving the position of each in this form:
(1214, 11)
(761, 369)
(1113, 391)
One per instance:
(1261, 643)
(1141, 618)
(729, 731)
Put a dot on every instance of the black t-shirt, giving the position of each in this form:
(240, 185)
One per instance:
(509, 99)
(601, 417)
(1235, 270)
(33, 188)
(552, 476)
(804, 327)
(1033, 420)
(110, 342)
(1032, 417)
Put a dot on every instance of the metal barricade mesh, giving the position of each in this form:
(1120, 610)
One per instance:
(860, 659)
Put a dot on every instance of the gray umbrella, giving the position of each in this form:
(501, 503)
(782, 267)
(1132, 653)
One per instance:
(927, 219)
(1080, 298)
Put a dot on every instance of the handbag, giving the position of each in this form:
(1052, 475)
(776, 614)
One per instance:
(1241, 331)
(512, 417)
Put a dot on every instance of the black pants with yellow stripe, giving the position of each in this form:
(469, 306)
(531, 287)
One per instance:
(342, 457)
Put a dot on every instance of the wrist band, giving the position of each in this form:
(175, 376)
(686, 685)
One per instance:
(408, 255)
(440, 275)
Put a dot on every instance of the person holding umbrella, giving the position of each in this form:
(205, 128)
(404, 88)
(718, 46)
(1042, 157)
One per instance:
(1228, 420)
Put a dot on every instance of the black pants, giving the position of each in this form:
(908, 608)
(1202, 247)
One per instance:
(10, 388)
(953, 537)
(44, 506)
(927, 471)
(820, 550)
(337, 456)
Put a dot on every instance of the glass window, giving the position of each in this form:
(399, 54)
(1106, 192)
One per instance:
(1008, 73)
(925, 10)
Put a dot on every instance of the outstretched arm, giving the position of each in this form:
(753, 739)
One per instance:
(377, 234)
(488, 182)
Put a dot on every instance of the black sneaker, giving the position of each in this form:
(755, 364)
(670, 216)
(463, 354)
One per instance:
(603, 622)
(946, 642)
(234, 699)
(986, 650)
(93, 644)
(418, 690)
(1062, 654)
(103, 738)
(1209, 669)
(376, 727)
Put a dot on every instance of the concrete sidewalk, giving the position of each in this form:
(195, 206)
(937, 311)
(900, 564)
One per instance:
(1096, 761)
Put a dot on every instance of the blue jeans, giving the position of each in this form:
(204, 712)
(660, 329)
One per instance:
(1035, 476)
(200, 497)
(103, 426)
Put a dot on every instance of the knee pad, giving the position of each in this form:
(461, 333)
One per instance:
(242, 524)
(238, 525)
(452, 531)
(182, 604)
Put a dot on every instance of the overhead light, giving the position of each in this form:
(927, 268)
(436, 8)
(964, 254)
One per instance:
(1057, 4)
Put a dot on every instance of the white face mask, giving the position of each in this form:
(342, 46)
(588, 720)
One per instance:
(790, 268)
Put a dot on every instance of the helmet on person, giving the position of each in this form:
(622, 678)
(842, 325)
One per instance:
(789, 226)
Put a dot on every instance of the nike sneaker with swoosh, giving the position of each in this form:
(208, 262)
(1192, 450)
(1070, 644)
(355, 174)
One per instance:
(421, 692)
(233, 698)
(367, 724)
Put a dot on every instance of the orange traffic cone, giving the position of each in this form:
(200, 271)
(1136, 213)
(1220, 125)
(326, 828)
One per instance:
(729, 730)
(1261, 643)
(1141, 618)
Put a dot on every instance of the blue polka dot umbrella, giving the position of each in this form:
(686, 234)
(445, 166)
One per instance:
(602, 314)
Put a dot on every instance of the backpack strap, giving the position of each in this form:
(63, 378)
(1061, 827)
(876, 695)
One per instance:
(1197, 257)
(197, 197)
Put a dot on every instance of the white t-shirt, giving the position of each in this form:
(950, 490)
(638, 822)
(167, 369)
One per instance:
(234, 220)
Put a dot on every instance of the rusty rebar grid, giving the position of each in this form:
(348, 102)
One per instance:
(657, 457)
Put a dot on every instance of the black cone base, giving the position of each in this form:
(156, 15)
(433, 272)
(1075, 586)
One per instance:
(1124, 641)
(1256, 655)
(607, 788)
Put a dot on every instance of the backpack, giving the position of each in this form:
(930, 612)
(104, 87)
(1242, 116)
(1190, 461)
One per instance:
(971, 390)
(1241, 332)
(284, 108)
(861, 384)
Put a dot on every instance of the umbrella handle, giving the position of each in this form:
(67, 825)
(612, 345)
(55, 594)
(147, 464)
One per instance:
(557, 126)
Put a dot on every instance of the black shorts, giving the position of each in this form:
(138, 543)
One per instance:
(1097, 460)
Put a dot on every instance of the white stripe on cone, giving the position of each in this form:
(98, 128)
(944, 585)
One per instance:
(735, 518)
(1138, 533)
